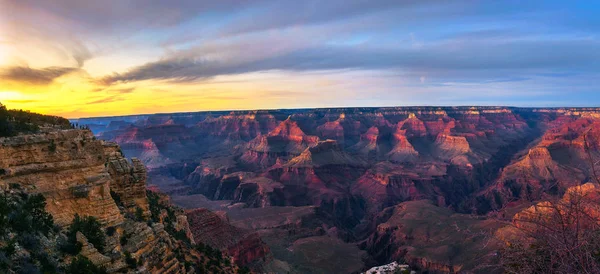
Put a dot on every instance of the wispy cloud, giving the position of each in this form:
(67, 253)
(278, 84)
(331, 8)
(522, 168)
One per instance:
(502, 60)
(109, 99)
(29, 75)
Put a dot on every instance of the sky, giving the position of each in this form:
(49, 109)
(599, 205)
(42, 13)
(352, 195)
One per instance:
(79, 58)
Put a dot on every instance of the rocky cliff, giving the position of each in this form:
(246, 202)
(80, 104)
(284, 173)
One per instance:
(433, 238)
(68, 168)
(81, 176)
(244, 245)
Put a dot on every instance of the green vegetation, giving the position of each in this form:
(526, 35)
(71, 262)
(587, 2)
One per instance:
(111, 230)
(563, 238)
(13, 122)
(82, 265)
(23, 223)
(156, 207)
(131, 262)
(52, 146)
(213, 260)
(90, 228)
(139, 214)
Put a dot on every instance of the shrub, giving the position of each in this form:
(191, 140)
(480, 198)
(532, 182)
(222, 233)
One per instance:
(91, 228)
(117, 198)
(123, 239)
(561, 236)
(65, 245)
(139, 214)
(111, 231)
(82, 265)
(131, 262)
(5, 126)
(31, 215)
(10, 248)
(24, 219)
(52, 146)
(244, 270)
(48, 264)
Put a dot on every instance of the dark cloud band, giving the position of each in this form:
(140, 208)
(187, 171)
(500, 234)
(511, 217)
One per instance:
(29, 75)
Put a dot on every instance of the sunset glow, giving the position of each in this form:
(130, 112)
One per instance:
(84, 58)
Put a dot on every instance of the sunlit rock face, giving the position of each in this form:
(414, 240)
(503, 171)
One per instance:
(79, 174)
(67, 167)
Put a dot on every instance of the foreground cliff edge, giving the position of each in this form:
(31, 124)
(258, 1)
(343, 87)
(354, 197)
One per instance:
(81, 176)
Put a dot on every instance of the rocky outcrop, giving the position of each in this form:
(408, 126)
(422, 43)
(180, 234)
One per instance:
(259, 192)
(412, 126)
(67, 167)
(403, 151)
(431, 238)
(574, 216)
(128, 179)
(152, 246)
(285, 141)
(236, 126)
(387, 184)
(245, 246)
(532, 175)
(451, 146)
(325, 153)
(88, 251)
(206, 176)
(367, 146)
(332, 130)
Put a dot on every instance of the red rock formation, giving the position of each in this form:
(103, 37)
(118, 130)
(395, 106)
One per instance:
(259, 192)
(332, 130)
(368, 142)
(327, 152)
(235, 126)
(245, 246)
(403, 151)
(387, 184)
(456, 149)
(432, 238)
(539, 165)
(413, 126)
(463, 157)
(286, 140)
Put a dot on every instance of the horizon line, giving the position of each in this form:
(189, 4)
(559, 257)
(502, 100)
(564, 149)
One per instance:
(338, 107)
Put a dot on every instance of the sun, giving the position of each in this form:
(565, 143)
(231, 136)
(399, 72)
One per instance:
(9, 95)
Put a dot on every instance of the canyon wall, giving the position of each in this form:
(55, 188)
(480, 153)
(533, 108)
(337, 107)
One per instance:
(356, 166)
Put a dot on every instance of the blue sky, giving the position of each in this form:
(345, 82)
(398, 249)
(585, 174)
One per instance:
(198, 55)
